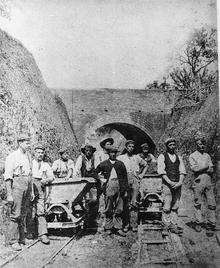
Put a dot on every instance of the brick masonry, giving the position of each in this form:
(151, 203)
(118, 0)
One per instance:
(137, 114)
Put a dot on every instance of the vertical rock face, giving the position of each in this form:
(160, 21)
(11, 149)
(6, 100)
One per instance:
(27, 105)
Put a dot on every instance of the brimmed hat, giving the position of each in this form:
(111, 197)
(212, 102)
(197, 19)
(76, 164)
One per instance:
(84, 147)
(129, 142)
(103, 142)
(144, 145)
(39, 146)
(113, 149)
(169, 140)
(23, 137)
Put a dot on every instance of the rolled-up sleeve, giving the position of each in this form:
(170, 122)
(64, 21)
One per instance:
(55, 166)
(50, 175)
(8, 175)
(182, 168)
(161, 165)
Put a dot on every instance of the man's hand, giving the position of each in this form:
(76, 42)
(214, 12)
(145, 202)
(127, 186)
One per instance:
(178, 184)
(172, 184)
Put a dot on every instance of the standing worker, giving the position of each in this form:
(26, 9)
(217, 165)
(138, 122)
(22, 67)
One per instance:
(202, 167)
(115, 189)
(102, 155)
(42, 174)
(63, 167)
(85, 167)
(172, 170)
(149, 158)
(136, 168)
(17, 179)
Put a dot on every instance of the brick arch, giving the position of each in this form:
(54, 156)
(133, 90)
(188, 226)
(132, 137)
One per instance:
(123, 124)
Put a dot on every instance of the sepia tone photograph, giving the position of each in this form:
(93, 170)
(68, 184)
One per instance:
(109, 134)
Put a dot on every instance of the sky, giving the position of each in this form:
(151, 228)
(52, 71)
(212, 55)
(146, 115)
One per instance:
(91, 44)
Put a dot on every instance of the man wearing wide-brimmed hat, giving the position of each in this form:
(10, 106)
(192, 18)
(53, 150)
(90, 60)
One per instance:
(85, 167)
(102, 155)
(136, 168)
(114, 188)
(172, 170)
(42, 174)
(18, 172)
(202, 167)
(64, 166)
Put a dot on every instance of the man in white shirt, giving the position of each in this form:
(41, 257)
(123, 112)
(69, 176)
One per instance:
(202, 167)
(42, 174)
(63, 167)
(136, 168)
(17, 180)
(102, 155)
(172, 170)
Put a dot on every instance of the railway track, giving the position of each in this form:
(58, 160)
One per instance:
(43, 257)
(157, 247)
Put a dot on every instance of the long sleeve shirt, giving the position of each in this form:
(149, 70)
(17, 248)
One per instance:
(132, 163)
(106, 168)
(17, 163)
(42, 170)
(161, 167)
(198, 161)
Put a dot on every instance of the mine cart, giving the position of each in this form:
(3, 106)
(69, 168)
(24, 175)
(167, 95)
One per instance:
(66, 202)
(151, 201)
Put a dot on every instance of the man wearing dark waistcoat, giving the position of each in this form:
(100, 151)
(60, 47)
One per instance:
(172, 170)
(115, 188)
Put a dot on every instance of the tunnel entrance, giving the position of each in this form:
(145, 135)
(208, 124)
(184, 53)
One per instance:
(121, 132)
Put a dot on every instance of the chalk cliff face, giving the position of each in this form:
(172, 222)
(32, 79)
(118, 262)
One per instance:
(27, 105)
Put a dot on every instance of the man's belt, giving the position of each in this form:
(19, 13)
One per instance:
(20, 176)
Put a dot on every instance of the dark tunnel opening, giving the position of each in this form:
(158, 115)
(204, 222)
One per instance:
(132, 132)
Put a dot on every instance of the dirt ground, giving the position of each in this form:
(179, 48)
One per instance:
(100, 250)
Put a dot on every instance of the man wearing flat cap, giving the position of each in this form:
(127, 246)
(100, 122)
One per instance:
(102, 154)
(115, 188)
(149, 158)
(136, 168)
(63, 167)
(17, 173)
(202, 167)
(172, 170)
(42, 174)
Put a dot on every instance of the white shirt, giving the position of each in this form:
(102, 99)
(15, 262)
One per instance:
(161, 164)
(113, 173)
(42, 170)
(199, 161)
(132, 163)
(17, 163)
(100, 156)
(63, 167)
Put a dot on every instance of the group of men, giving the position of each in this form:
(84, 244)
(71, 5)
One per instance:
(117, 178)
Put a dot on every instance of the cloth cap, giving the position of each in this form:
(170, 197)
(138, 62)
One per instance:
(23, 137)
(39, 146)
(102, 143)
(144, 145)
(87, 146)
(169, 140)
(113, 149)
(129, 142)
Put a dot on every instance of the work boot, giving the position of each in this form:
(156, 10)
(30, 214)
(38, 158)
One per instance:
(16, 246)
(121, 233)
(45, 240)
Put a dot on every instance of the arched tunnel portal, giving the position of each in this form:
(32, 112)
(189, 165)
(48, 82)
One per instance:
(120, 132)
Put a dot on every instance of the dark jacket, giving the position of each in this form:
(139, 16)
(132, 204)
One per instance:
(172, 169)
(105, 168)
